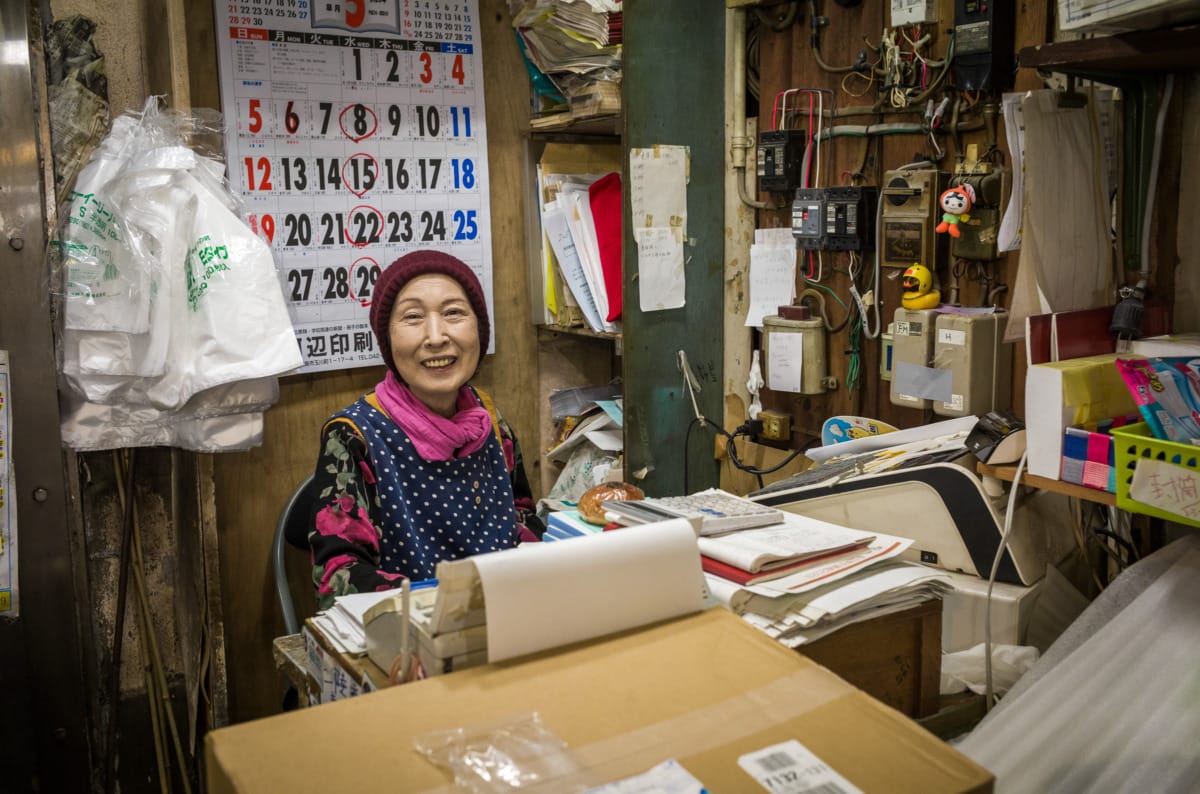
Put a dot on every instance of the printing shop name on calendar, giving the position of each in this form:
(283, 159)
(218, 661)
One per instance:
(354, 134)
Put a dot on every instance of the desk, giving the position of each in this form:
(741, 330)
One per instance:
(897, 659)
(894, 658)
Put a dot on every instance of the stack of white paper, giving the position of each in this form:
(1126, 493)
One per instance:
(800, 617)
(342, 624)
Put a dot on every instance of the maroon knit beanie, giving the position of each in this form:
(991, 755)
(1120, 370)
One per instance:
(404, 270)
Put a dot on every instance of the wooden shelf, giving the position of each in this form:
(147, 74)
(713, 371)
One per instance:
(1006, 473)
(1156, 51)
(593, 125)
(580, 330)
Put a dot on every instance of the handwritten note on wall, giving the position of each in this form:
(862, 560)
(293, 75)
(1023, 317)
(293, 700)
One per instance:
(1175, 489)
(658, 210)
(785, 362)
(661, 283)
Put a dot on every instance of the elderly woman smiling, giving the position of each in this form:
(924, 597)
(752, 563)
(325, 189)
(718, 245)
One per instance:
(422, 469)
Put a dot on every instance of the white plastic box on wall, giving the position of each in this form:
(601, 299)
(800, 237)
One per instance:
(913, 12)
(1122, 16)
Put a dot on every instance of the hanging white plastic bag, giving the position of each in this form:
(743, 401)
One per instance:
(104, 289)
(102, 364)
(229, 319)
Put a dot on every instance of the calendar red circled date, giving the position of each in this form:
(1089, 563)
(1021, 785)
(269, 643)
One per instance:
(354, 133)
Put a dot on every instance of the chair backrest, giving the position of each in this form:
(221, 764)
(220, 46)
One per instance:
(291, 527)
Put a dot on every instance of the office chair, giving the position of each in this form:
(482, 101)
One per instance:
(292, 528)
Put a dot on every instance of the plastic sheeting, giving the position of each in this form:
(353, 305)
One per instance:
(1121, 711)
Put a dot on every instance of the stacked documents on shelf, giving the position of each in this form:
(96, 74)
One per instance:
(799, 617)
(579, 188)
(810, 553)
(573, 52)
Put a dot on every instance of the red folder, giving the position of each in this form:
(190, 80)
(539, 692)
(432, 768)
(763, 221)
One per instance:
(604, 196)
(738, 576)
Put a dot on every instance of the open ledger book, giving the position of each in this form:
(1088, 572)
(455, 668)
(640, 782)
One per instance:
(765, 552)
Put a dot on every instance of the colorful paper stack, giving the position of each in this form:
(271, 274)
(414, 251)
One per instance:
(1088, 457)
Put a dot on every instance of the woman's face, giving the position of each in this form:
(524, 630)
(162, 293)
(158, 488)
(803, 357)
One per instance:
(435, 340)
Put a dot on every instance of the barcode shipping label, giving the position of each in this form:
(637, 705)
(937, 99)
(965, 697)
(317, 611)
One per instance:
(791, 768)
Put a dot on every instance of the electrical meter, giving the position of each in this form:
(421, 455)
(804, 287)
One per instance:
(913, 380)
(972, 348)
(909, 205)
(983, 45)
(979, 235)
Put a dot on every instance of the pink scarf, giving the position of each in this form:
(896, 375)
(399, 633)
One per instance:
(435, 437)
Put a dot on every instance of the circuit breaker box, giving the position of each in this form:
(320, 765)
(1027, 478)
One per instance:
(972, 348)
(912, 354)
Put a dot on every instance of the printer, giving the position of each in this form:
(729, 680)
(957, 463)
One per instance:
(943, 507)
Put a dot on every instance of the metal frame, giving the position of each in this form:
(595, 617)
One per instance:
(44, 733)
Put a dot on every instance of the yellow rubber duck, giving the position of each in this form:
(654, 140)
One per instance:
(918, 289)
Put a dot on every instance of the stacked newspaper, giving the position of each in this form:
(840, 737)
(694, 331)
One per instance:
(808, 613)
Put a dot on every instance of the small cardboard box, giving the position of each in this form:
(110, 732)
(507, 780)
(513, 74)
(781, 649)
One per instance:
(705, 690)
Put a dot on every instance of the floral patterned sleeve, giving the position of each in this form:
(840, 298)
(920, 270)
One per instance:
(344, 533)
(529, 525)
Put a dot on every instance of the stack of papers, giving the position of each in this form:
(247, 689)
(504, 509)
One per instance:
(343, 623)
(575, 47)
(579, 188)
(773, 552)
(811, 612)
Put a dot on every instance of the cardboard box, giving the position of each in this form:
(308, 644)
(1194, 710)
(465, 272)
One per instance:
(1063, 393)
(704, 689)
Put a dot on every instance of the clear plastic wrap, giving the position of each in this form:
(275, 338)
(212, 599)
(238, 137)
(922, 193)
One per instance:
(511, 753)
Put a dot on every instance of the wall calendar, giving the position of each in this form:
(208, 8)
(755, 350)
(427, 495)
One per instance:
(354, 134)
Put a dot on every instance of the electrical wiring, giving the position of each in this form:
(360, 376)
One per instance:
(870, 83)
(809, 292)
(698, 417)
(854, 365)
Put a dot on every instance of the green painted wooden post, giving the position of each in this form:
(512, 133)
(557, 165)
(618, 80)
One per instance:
(674, 73)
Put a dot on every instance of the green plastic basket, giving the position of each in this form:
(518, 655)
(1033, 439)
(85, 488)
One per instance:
(1136, 442)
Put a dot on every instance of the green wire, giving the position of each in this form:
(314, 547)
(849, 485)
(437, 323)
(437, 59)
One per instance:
(821, 286)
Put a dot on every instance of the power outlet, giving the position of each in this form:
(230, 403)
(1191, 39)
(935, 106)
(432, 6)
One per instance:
(777, 426)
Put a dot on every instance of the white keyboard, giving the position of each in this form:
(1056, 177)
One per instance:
(711, 512)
